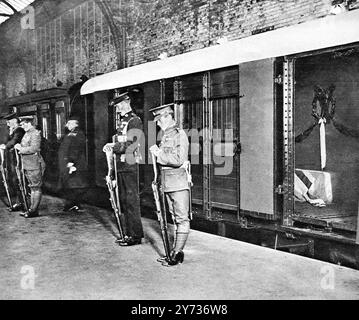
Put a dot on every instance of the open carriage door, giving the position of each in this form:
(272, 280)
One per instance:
(190, 94)
(209, 111)
(224, 171)
(260, 157)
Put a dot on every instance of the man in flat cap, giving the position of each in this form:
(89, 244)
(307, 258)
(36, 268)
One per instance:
(73, 166)
(32, 163)
(125, 146)
(16, 133)
(172, 157)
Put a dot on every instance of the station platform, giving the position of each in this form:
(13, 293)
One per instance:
(65, 256)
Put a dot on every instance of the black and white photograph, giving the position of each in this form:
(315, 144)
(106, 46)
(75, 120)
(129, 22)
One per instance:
(179, 156)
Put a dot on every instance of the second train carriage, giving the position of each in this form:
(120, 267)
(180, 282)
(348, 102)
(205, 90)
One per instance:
(269, 122)
(51, 108)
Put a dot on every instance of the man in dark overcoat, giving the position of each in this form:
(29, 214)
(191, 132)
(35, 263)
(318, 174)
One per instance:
(73, 180)
(16, 133)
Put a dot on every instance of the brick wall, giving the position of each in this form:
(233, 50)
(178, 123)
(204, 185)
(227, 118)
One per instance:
(77, 37)
(181, 26)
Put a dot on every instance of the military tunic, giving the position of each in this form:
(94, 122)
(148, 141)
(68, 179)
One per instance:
(174, 180)
(128, 156)
(32, 161)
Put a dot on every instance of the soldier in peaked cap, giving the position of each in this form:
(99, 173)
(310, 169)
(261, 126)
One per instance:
(172, 157)
(125, 145)
(16, 133)
(32, 162)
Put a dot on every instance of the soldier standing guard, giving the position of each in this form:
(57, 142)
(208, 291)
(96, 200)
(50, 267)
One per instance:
(16, 133)
(172, 155)
(125, 146)
(32, 163)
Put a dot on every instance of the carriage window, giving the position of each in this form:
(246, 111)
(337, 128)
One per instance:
(224, 113)
(192, 115)
(190, 90)
(45, 127)
(60, 119)
(224, 93)
(60, 122)
(45, 120)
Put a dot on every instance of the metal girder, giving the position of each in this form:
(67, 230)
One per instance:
(9, 8)
(9, 5)
(288, 94)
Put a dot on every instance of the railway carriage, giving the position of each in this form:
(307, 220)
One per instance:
(272, 121)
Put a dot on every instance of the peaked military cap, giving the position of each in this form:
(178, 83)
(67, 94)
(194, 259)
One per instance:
(120, 98)
(27, 118)
(11, 116)
(160, 111)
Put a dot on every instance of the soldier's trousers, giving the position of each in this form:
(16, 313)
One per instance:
(179, 206)
(130, 204)
(34, 178)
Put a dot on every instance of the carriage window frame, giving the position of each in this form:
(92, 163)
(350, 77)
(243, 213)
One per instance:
(44, 109)
(224, 94)
(60, 118)
(45, 125)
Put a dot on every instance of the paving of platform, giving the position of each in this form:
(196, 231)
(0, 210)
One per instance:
(74, 256)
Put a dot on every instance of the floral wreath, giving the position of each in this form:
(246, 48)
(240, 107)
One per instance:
(323, 110)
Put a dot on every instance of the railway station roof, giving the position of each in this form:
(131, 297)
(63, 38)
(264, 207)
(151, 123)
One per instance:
(317, 34)
(11, 7)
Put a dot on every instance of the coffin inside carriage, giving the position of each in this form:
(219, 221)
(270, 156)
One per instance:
(314, 184)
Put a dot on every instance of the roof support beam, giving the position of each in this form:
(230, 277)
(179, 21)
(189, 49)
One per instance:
(313, 35)
(9, 5)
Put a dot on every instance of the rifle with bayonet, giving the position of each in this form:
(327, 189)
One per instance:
(21, 180)
(112, 186)
(4, 177)
(160, 209)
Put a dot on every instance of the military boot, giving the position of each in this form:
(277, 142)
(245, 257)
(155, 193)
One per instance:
(177, 255)
(29, 198)
(35, 203)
